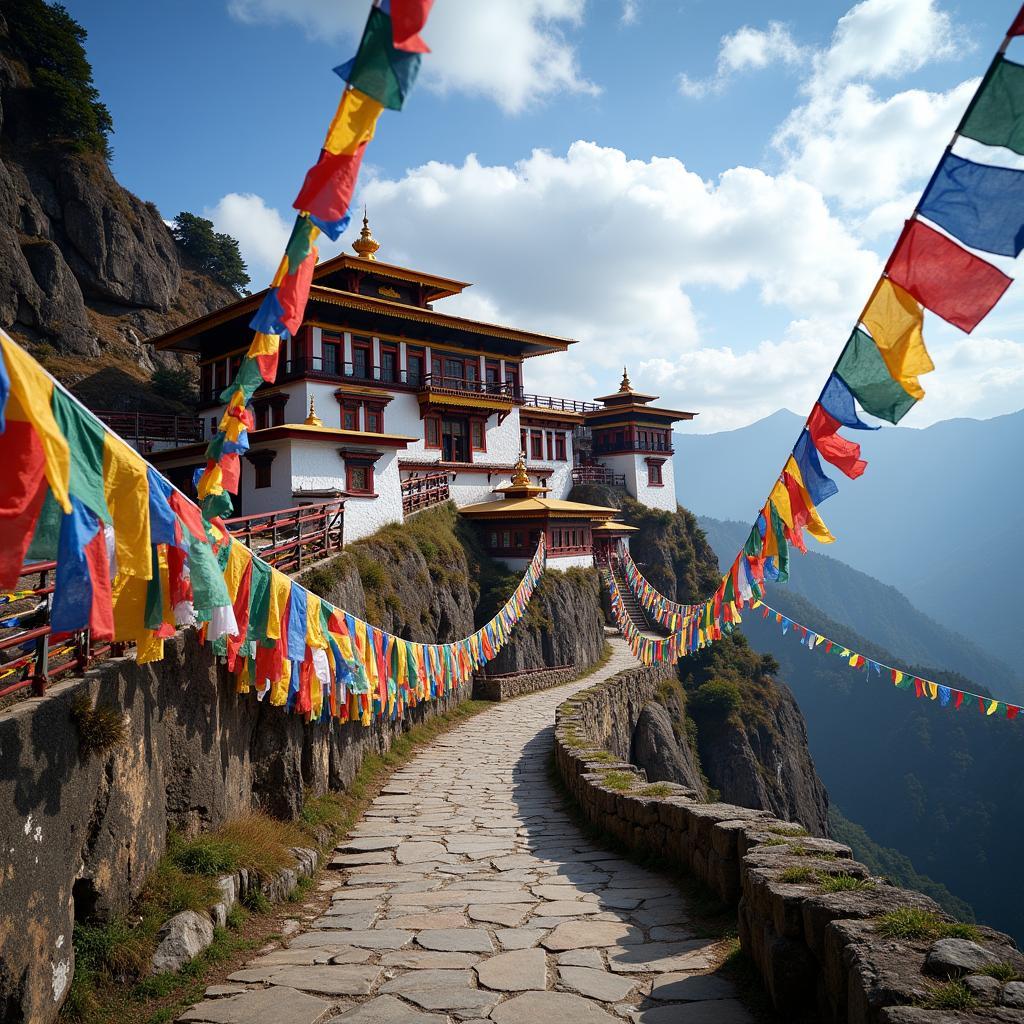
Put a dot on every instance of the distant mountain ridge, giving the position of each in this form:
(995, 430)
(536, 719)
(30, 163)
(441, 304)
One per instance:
(935, 513)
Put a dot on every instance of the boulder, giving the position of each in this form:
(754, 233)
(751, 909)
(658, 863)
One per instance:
(183, 937)
(951, 958)
(656, 749)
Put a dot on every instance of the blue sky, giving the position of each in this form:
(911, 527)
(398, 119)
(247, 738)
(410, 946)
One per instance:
(720, 234)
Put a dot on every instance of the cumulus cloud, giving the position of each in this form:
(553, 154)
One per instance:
(514, 52)
(746, 49)
(630, 11)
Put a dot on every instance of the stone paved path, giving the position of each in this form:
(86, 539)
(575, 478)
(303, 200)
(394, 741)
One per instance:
(467, 894)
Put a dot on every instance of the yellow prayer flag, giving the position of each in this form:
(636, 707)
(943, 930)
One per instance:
(315, 638)
(354, 122)
(126, 488)
(264, 345)
(897, 677)
(280, 591)
(992, 708)
(894, 318)
(128, 593)
(31, 401)
(815, 525)
(933, 690)
(238, 558)
(779, 497)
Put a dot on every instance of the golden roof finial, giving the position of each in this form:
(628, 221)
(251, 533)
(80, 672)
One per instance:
(520, 478)
(312, 420)
(366, 245)
(625, 385)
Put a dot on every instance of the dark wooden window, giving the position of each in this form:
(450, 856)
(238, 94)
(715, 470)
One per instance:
(492, 374)
(414, 368)
(432, 432)
(359, 479)
(206, 380)
(512, 378)
(262, 473)
(478, 436)
(654, 478)
(455, 439)
(522, 439)
(374, 420)
(362, 362)
(388, 363)
(560, 450)
(261, 415)
(332, 354)
(350, 417)
(221, 375)
(537, 445)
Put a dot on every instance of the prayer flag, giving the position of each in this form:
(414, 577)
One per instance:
(264, 351)
(81, 595)
(837, 401)
(863, 369)
(408, 18)
(354, 122)
(996, 114)
(85, 438)
(981, 205)
(379, 69)
(819, 486)
(23, 491)
(327, 191)
(805, 515)
(841, 452)
(126, 487)
(30, 399)
(948, 280)
(894, 320)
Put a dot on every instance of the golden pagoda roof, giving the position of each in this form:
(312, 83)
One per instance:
(536, 507)
(626, 392)
(613, 527)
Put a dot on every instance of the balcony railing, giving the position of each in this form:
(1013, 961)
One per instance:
(420, 492)
(444, 384)
(597, 475)
(291, 538)
(559, 404)
(631, 445)
(143, 430)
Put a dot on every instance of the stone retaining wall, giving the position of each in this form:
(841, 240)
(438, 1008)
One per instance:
(81, 831)
(820, 953)
(507, 687)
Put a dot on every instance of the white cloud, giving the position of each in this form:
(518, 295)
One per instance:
(513, 52)
(745, 49)
(630, 11)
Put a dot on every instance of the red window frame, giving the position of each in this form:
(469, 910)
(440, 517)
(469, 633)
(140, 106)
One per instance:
(560, 448)
(373, 418)
(350, 409)
(335, 345)
(432, 424)
(261, 414)
(537, 445)
(654, 474)
(390, 350)
(365, 346)
(415, 377)
(474, 427)
(351, 484)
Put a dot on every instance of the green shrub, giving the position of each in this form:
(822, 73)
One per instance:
(914, 923)
(954, 995)
(619, 780)
(656, 789)
(1003, 972)
(844, 883)
(797, 876)
(717, 697)
(212, 252)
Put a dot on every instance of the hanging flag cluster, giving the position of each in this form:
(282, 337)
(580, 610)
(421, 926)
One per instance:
(947, 696)
(136, 561)
(379, 76)
(969, 206)
(689, 632)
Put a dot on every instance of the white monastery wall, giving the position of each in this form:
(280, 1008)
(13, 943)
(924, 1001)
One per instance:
(279, 494)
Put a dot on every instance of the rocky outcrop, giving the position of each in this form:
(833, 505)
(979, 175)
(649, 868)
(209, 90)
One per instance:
(181, 938)
(87, 270)
(660, 753)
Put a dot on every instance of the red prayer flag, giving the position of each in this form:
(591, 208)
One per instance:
(407, 20)
(1017, 28)
(843, 454)
(944, 277)
(1012, 711)
(22, 493)
(330, 182)
(918, 687)
(101, 611)
(241, 610)
(293, 292)
(958, 699)
(189, 515)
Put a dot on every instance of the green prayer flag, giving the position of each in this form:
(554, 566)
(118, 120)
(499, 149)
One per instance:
(248, 378)
(43, 547)
(300, 243)
(209, 590)
(753, 545)
(996, 115)
(259, 600)
(779, 529)
(864, 372)
(85, 439)
(154, 595)
(215, 505)
(378, 69)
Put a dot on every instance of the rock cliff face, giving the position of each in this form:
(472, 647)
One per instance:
(730, 726)
(87, 270)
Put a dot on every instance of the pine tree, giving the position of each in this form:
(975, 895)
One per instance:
(211, 251)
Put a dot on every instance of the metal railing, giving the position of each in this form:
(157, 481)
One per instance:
(143, 429)
(559, 404)
(420, 492)
(470, 386)
(291, 538)
(597, 475)
(31, 655)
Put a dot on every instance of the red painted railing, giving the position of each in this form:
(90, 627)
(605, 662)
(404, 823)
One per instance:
(291, 538)
(30, 655)
(420, 492)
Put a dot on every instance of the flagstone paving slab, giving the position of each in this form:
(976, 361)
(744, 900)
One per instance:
(466, 892)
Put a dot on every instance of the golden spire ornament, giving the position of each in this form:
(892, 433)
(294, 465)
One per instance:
(625, 385)
(312, 420)
(520, 478)
(366, 245)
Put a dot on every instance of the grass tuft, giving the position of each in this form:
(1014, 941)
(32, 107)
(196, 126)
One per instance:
(101, 727)
(1003, 972)
(621, 781)
(954, 995)
(914, 923)
(797, 876)
(656, 789)
(844, 883)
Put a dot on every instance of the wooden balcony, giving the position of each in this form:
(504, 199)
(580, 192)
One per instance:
(425, 490)
(145, 430)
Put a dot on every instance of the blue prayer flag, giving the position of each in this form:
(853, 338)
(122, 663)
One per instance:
(981, 205)
(297, 623)
(837, 401)
(161, 515)
(819, 486)
(72, 591)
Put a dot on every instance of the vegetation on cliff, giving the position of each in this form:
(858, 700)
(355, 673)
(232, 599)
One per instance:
(212, 252)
